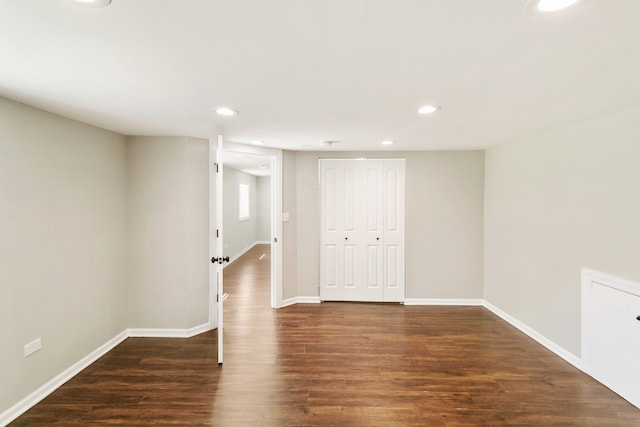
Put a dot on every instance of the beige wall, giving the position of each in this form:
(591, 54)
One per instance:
(168, 223)
(289, 228)
(555, 203)
(263, 208)
(444, 223)
(62, 240)
(238, 235)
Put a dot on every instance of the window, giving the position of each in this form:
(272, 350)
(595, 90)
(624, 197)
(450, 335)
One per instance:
(243, 207)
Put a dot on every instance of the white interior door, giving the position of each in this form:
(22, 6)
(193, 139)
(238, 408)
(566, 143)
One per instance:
(362, 236)
(220, 248)
(216, 242)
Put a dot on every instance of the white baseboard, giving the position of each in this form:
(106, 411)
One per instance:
(245, 250)
(168, 333)
(535, 335)
(239, 254)
(25, 404)
(443, 301)
(300, 300)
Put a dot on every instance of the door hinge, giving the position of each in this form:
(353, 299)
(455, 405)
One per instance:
(217, 169)
(217, 232)
(217, 298)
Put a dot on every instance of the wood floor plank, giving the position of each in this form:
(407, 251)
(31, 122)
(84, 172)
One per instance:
(334, 364)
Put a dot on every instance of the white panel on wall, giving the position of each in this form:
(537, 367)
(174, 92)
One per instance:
(611, 332)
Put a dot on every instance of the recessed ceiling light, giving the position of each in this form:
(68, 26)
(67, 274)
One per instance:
(387, 142)
(257, 142)
(548, 6)
(428, 109)
(226, 111)
(94, 3)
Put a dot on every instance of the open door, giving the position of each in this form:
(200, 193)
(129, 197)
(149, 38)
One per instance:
(216, 243)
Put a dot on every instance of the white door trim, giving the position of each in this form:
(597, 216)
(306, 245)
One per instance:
(276, 213)
(362, 224)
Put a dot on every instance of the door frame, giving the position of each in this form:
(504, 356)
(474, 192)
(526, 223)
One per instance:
(275, 156)
(390, 237)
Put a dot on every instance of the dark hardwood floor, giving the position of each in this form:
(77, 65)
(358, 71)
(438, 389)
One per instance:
(334, 364)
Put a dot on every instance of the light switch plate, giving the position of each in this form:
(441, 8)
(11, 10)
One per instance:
(32, 347)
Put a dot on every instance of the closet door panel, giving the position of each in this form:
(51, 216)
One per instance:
(394, 204)
(350, 266)
(330, 266)
(373, 224)
(348, 210)
(331, 251)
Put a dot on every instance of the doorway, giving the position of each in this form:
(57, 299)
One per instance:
(247, 213)
(247, 227)
(217, 148)
(362, 230)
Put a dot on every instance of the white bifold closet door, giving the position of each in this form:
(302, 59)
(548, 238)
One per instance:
(362, 230)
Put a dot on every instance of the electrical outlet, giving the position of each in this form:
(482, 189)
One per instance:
(32, 347)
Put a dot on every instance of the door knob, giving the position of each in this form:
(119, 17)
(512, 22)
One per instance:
(219, 260)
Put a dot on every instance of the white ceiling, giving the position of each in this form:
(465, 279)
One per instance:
(253, 164)
(304, 71)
